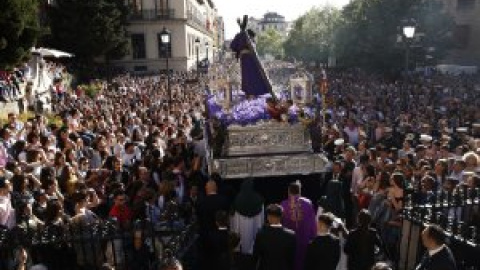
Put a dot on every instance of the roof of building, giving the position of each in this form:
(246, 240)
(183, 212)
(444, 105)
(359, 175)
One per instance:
(272, 17)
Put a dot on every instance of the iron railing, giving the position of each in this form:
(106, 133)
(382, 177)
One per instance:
(458, 213)
(88, 246)
(153, 15)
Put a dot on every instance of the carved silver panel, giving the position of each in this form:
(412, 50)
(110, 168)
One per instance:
(269, 137)
(279, 165)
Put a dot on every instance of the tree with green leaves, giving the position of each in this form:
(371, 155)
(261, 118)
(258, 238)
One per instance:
(311, 38)
(19, 30)
(89, 28)
(270, 42)
(370, 32)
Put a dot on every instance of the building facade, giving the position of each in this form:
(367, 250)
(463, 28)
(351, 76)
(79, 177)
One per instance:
(270, 20)
(467, 32)
(186, 20)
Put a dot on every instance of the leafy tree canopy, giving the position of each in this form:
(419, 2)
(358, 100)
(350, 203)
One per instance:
(19, 30)
(370, 34)
(270, 42)
(89, 28)
(311, 38)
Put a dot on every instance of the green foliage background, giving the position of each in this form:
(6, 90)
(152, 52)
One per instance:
(19, 30)
(89, 28)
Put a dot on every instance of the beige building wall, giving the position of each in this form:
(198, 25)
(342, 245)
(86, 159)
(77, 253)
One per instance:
(467, 32)
(189, 20)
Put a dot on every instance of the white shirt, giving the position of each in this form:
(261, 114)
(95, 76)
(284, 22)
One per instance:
(7, 213)
(127, 158)
(357, 178)
(352, 134)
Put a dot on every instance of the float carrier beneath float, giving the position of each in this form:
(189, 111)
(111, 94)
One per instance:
(267, 148)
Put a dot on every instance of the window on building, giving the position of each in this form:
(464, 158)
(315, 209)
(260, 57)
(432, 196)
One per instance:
(136, 6)
(138, 46)
(162, 8)
(164, 50)
(462, 36)
(466, 4)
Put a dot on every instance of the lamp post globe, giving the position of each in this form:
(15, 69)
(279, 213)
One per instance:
(409, 31)
(165, 36)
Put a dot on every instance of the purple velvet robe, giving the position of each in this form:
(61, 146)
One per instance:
(299, 216)
(253, 80)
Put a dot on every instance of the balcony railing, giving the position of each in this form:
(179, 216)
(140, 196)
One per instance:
(201, 24)
(153, 14)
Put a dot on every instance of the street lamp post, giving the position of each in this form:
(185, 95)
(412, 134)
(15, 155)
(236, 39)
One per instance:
(214, 48)
(206, 48)
(166, 41)
(409, 33)
(197, 46)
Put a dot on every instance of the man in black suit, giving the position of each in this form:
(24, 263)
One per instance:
(439, 256)
(324, 250)
(218, 244)
(274, 246)
(207, 207)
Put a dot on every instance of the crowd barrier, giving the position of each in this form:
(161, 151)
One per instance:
(458, 213)
(89, 246)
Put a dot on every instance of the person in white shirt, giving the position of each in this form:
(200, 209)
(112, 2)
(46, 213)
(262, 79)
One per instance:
(7, 212)
(352, 132)
(131, 154)
(458, 170)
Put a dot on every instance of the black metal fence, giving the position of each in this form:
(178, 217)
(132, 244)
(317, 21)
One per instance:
(144, 246)
(458, 213)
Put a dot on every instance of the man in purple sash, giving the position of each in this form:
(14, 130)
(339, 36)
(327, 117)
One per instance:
(299, 216)
(254, 79)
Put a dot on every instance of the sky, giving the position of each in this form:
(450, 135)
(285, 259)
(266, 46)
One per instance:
(291, 9)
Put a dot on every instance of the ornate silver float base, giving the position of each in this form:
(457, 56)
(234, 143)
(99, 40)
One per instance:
(263, 166)
(267, 137)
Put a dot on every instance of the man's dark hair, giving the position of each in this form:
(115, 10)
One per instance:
(274, 210)
(364, 159)
(295, 188)
(436, 233)
(118, 193)
(364, 219)
(326, 219)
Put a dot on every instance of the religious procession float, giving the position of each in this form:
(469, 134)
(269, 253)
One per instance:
(255, 129)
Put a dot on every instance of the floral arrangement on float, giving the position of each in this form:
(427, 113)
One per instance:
(250, 111)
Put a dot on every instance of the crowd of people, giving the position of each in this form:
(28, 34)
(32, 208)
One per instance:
(11, 81)
(138, 147)
(125, 154)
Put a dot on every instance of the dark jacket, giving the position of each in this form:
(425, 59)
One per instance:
(219, 254)
(274, 248)
(323, 253)
(360, 248)
(443, 260)
(333, 201)
(207, 207)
